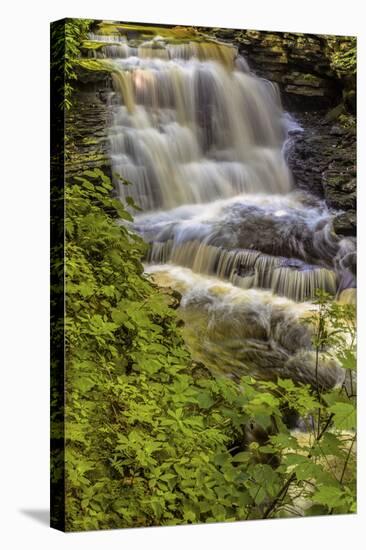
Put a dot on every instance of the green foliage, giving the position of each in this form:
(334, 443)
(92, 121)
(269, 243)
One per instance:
(319, 467)
(151, 437)
(146, 440)
(66, 39)
(344, 55)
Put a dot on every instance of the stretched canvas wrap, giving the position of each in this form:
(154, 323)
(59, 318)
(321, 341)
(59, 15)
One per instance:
(203, 206)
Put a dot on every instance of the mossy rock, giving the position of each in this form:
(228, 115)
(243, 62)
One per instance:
(335, 113)
(99, 65)
(97, 44)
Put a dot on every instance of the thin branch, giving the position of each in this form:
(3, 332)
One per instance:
(280, 495)
(283, 491)
(347, 459)
(250, 509)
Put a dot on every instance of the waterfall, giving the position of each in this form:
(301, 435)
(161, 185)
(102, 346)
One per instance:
(193, 126)
(203, 141)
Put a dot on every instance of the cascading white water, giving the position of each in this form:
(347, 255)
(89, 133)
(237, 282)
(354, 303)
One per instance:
(178, 136)
(203, 142)
(247, 332)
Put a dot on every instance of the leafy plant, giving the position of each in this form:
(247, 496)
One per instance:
(343, 54)
(152, 438)
(319, 466)
(67, 36)
(143, 433)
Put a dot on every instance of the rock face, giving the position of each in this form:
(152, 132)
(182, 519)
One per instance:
(297, 63)
(309, 69)
(86, 125)
(323, 161)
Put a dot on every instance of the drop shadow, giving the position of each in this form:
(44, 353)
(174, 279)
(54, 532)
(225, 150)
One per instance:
(40, 515)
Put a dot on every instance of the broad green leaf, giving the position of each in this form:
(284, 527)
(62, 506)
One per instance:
(344, 416)
(328, 495)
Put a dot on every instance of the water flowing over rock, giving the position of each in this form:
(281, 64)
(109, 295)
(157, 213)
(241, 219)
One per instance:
(206, 145)
(204, 142)
(305, 66)
(247, 332)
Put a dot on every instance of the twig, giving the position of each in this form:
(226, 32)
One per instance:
(250, 509)
(283, 491)
(347, 459)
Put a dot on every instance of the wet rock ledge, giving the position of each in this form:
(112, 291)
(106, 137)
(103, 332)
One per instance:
(86, 131)
(87, 122)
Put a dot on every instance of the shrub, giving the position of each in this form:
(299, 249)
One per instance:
(149, 433)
